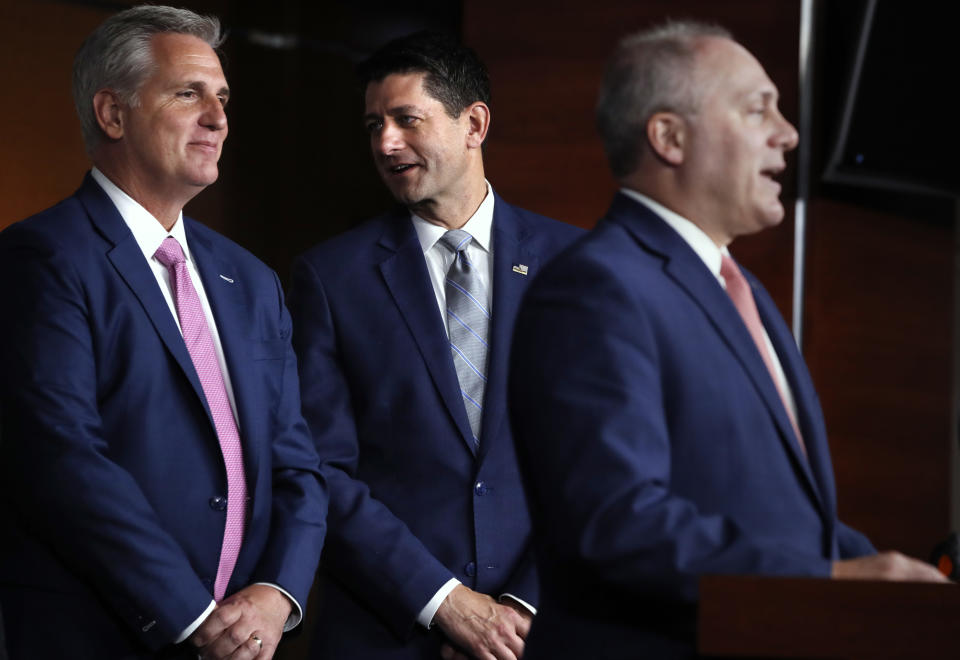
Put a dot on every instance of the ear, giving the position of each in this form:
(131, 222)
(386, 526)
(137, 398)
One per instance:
(478, 121)
(666, 134)
(109, 112)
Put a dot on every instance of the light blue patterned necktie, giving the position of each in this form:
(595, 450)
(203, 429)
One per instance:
(468, 319)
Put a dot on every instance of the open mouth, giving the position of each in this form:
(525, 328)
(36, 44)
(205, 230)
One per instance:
(400, 169)
(772, 173)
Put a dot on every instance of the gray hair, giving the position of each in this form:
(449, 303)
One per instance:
(118, 56)
(650, 72)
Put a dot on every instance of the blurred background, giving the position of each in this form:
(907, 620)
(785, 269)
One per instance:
(879, 179)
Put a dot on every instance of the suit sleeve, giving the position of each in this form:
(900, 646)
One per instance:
(371, 551)
(587, 400)
(66, 488)
(853, 544)
(524, 582)
(299, 496)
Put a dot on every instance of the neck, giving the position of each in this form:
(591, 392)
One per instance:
(165, 206)
(453, 211)
(665, 192)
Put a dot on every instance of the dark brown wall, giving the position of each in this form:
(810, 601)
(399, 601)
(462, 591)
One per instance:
(41, 158)
(879, 344)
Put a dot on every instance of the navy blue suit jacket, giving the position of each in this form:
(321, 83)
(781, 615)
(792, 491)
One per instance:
(111, 462)
(412, 502)
(655, 443)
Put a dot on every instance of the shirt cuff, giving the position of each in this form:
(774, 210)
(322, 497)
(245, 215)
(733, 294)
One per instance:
(196, 623)
(296, 612)
(425, 618)
(519, 601)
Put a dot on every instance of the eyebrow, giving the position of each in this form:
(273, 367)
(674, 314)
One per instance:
(394, 111)
(403, 109)
(200, 86)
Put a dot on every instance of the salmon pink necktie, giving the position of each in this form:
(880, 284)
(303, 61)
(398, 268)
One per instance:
(739, 291)
(196, 335)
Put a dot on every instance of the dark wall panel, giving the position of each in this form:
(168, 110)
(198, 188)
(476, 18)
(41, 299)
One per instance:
(42, 159)
(878, 342)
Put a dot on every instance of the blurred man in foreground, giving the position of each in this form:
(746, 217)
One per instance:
(666, 422)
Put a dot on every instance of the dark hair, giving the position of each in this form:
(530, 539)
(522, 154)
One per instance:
(455, 76)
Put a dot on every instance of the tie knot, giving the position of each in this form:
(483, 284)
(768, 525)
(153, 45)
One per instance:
(729, 269)
(169, 253)
(456, 240)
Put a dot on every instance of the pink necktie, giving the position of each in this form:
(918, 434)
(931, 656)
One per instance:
(739, 291)
(196, 334)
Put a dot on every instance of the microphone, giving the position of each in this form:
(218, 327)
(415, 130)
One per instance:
(946, 557)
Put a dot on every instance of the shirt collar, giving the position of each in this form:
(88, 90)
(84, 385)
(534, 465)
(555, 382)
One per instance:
(696, 238)
(479, 225)
(146, 230)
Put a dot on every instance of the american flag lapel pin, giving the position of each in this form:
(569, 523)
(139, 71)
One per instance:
(520, 268)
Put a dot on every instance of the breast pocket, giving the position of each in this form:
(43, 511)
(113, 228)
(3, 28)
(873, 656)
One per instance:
(268, 349)
(264, 372)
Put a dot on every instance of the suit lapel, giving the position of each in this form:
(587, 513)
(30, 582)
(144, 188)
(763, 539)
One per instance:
(127, 258)
(689, 272)
(226, 302)
(809, 418)
(224, 289)
(511, 249)
(404, 271)
(728, 322)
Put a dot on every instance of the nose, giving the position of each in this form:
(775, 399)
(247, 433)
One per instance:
(388, 139)
(214, 115)
(786, 136)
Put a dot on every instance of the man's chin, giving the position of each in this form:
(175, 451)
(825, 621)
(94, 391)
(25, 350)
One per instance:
(205, 177)
(772, 215)
(758, 220)
(406, 196)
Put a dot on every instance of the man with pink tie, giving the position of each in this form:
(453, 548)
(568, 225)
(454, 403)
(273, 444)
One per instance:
(668, 423)
(162, 489)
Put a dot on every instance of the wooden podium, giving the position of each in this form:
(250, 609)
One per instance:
(802, 618)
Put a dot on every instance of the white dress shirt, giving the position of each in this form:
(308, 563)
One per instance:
(479, 251)
(712, 256)
(149, 234)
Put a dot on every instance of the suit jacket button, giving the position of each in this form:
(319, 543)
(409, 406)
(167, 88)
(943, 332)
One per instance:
(218, 503)
(470, 569)
(481, 488)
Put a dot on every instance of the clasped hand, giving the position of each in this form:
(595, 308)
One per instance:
(246, 625)
(479, 628)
